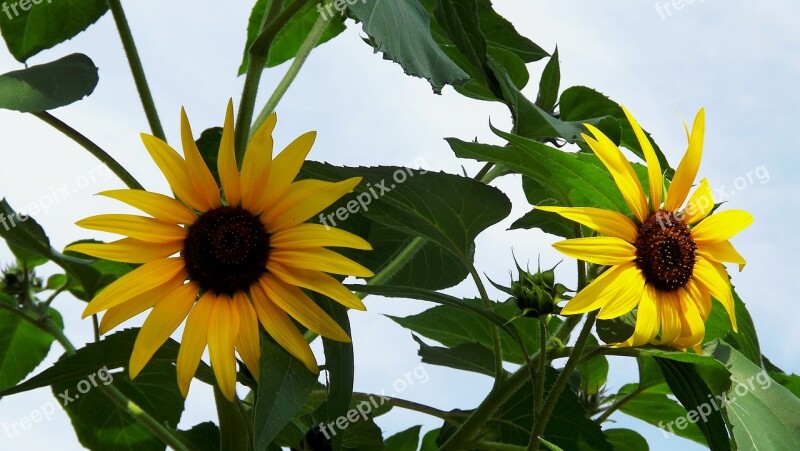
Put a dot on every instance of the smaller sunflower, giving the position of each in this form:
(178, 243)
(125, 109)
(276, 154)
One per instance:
(666, 261)
(226, 260)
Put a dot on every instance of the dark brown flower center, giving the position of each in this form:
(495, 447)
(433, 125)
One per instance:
(226, 250)
(665, 251)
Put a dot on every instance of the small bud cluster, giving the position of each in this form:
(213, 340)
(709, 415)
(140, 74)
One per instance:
(537, 293)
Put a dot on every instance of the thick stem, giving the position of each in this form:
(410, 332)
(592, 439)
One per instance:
(561, 381)
(93, 148)
(137, 69)
(302, 55)
(539, 386)
(487, 304)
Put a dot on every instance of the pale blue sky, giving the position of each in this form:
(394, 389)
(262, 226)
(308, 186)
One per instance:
(738, 59)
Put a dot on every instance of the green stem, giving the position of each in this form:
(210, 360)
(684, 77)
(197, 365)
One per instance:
(302, 55)
(621, 402)
(258, 55)
(539, 386)
(117, 397)
(561, 381)
(389, 271)
(487, 304)
(495, 446)
(137, 69)
(408, 405)
(499, 395)
(234, 435)
(93, 148)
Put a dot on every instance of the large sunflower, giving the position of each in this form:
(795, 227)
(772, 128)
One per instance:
(667, 260)
(227, 261)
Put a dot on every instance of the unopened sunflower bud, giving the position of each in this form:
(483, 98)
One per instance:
(534, 293)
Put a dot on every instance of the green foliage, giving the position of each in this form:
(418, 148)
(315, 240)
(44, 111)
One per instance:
(48, 86)
(23, 346)
(404, 441)
(39, 26)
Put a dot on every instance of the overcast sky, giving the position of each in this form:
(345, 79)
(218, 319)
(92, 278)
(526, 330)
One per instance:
(738, 59)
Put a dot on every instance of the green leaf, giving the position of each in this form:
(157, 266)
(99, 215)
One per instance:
(401, 30)
(574, 178)
(764, 415)
(25, 233)
(660, 411)
(102, 425)
(451, 327)
(593, 372)
(363, 435)
(208, 144)
(582, 104)
(48, 86)
(283, 388)
(404, 441)
(626, 440)
(429, 440)
(448, 209)
(45, 25)
(695, 380)
(500, 33)
(202, 437)
(23, 346)
(466, 356)
(718, 326)
(28, 258)
(568, 428)
(549, 84)
(112, 352)
(340, 365)
(289, 39)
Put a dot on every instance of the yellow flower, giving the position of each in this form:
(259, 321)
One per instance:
(227, 261)
(667, 260)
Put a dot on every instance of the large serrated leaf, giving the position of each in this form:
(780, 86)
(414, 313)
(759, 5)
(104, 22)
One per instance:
(401, 30)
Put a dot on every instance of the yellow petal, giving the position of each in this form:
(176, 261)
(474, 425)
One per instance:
(669, 312)
(159, 206)
(115, 316)
(700, 204)
(226, 161)
(316, 235)
(256, 166)
(223, 327)
(653, 166)
(602, 250)
(286, 166)
(280, 327)
(319, 282)
(166, 316)
(194, 340)
(722, 251)
(622, 171)
(687, 169)
(293, 301)
(597, 293)
(693, 327)
(721, 226)
(247, 342)
(305, 199)
(138, 227)
(174, 169)
(128, 250)
(200, 176)
(144, 278)
(715, 280)
(699, 295)
(647, 319)
(631, 283)
(319, 259)
(606, 222)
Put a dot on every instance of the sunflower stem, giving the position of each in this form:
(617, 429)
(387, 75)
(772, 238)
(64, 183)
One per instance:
(258, 54)
(302, 55)
(561, 382)
(487, 304)
(128, 44)
(117, 397)
(93, 149)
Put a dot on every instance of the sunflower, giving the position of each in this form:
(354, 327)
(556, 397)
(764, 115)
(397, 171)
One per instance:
(226, 260)
(666, 260)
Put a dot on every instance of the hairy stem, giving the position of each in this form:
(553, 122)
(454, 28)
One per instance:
(93, 148)
(137, 69)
